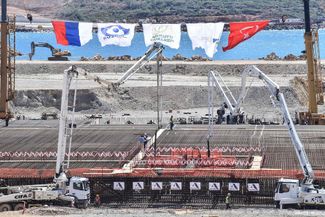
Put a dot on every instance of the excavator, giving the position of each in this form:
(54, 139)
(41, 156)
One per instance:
(57, 54)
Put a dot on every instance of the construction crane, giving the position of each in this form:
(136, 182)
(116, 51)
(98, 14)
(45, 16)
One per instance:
(314, 75)
(57, 54)
(8, 44)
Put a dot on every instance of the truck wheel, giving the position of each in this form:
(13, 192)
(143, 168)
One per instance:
(277, 205)
(5, 207)
(84, 205)
(19, 206)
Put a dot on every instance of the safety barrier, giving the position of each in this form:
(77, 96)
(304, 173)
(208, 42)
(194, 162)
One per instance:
(77, 154)
(235, 149)
(231, 162)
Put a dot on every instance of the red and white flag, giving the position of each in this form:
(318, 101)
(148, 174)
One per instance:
(241, 31)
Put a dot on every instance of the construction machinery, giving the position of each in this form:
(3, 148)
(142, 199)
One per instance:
(8, 62)
(57, 54)
(235, 114)
(153, 51)
(74, 190)
(291, 192)
(314, 75)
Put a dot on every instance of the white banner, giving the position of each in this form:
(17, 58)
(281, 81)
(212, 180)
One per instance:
(253, 187)
(196, 186)
(118, 186)
(138, 186)
(156, 186)
(234, 186)
(175, 186)
(120, 34)
(206, 36)
(214, 186)
(167, 34)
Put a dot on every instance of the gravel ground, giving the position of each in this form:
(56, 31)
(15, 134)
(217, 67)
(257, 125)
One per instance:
(96, 212)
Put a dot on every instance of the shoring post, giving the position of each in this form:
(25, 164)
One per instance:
(159, 96)
(210, 108)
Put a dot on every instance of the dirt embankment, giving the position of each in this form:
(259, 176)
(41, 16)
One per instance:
(184, 87)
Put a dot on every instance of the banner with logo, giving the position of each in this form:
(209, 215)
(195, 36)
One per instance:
(241, 31)
(195, 186)
(167, 34)
(214, 186)
(206, 36)
(118, 186)
(176, 186)
(255, 187)
(234, 186)
(120, 34)
(156, 186)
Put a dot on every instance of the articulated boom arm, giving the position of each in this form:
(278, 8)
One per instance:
(140, 63)
(63, 134)
(129, 73)
(253, 71)
(230, 101)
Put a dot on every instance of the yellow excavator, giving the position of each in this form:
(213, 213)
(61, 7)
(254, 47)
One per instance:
(315, 86)
(57, 54)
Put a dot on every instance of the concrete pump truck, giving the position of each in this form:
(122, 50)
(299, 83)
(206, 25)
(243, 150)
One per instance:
(289, 192)
(67, 190)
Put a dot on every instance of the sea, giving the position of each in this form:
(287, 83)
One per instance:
(282, 42)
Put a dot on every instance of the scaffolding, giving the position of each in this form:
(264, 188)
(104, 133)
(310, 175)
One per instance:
(8, 68)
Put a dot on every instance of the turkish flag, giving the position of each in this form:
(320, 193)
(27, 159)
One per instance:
(241, 31)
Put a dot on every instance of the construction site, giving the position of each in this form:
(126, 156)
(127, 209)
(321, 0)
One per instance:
(151, 133)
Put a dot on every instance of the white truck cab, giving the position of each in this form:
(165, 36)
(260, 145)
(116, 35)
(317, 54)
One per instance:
(287, 192)
(79, 189)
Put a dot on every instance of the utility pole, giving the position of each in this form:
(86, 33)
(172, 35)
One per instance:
(4, 113)
(312, 100)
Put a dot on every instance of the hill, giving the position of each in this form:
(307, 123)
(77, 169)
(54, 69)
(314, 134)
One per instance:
(171, 11)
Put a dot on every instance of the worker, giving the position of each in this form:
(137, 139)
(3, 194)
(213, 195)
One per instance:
(145, 141)
(171, 123)
(228, 201)
(97, 200)
(30, 18)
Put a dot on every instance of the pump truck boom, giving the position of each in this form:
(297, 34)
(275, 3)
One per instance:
(235, 116)
(63, 189)
(152, 52)
(291, 191)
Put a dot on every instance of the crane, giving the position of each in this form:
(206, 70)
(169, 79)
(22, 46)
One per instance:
(233, 105)
(290, 191)
(314, 76)
(73, 189)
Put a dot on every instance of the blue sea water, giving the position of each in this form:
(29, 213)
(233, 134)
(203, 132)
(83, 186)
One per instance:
(282, 42)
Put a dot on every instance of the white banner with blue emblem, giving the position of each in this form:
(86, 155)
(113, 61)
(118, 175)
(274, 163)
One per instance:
(206, 36)
(120, 34)
(167, 34)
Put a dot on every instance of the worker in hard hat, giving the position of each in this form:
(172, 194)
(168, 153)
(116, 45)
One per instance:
(228, 201)
(97, 200)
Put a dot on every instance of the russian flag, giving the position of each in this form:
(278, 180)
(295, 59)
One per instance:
(72, 33)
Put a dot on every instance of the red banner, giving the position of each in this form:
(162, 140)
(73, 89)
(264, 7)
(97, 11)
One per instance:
(241, 31)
